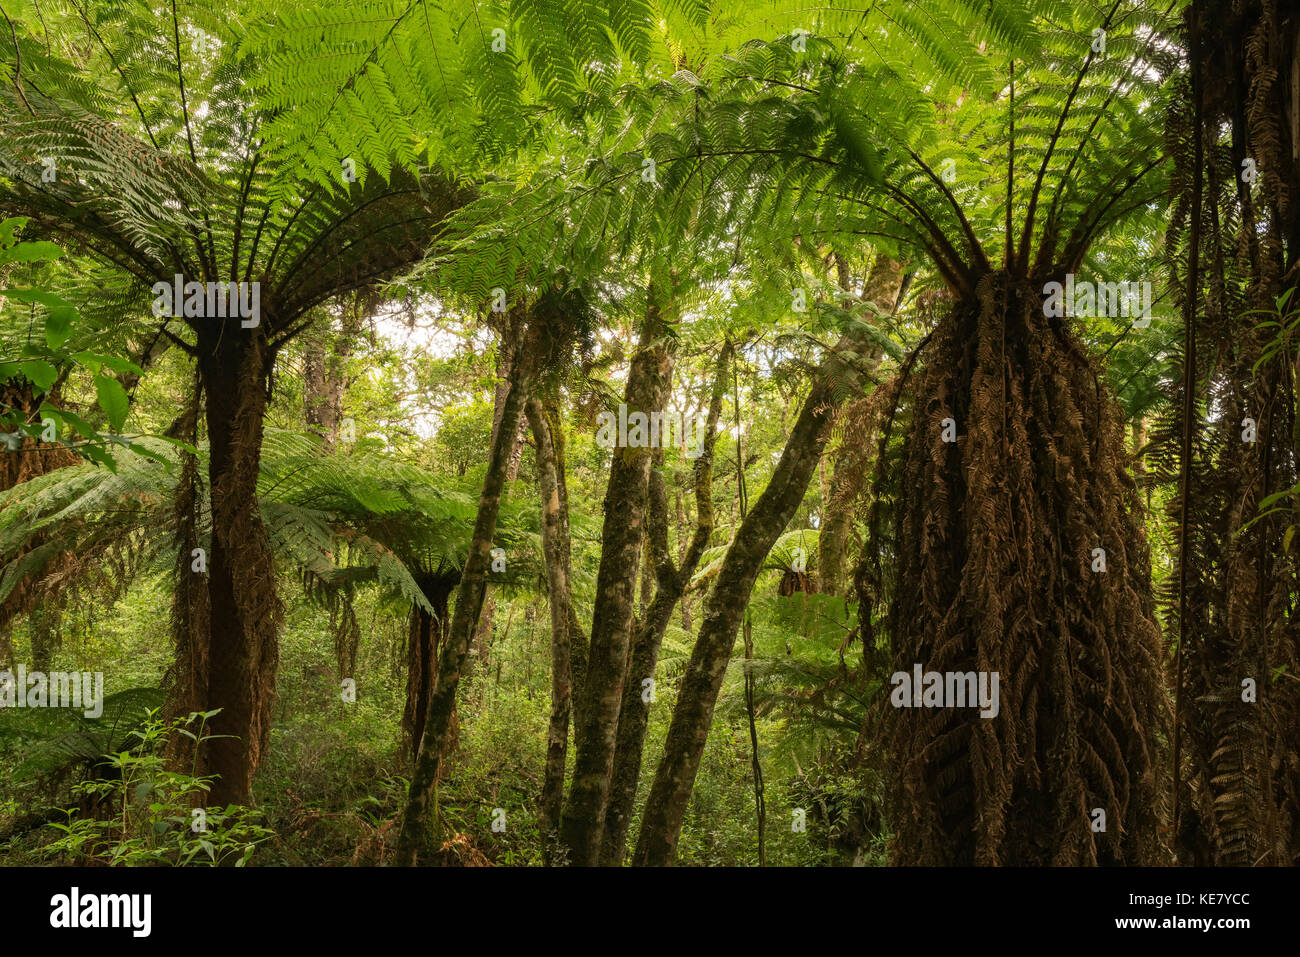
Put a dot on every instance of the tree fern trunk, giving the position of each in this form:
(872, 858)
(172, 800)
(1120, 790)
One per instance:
(998, 540)
(31, 460)
(245, 611)
(427, 635)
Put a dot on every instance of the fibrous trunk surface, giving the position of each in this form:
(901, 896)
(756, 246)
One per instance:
(994, 542)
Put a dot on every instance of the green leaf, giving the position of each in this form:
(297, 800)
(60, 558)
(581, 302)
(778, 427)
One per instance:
(9, 229)
(858, 145)
(39, 373)
(32, 252)
(58, 324)
(38, 296)
(98, 454)
(62, 416)
(113, 400)
(94, 360)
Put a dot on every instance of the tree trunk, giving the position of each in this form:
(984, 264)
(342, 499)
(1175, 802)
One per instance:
(325, 358)
(884, 283)
(1018, 551)
(427, 634)
(611, 624)
(245, 611)
(555, 548)
(469, 605)
(634, 716)
(510, 338)
(45, 638)
(675, 778)
(644, 659)
(1236, 766)
(33, 458)
(319, 411)
(681, 554)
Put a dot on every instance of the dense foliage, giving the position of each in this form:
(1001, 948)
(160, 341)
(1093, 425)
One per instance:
(536, 432)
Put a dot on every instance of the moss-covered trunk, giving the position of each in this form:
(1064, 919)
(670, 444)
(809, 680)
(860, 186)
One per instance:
(687, 734)
(670, 584)
(583, 820)
(469, 605)
(548, 437)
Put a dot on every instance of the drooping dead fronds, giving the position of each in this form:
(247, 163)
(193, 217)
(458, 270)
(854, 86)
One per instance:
(1233, 246)
(1003, 519)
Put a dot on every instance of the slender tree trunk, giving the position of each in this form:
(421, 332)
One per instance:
(884, 283)
(44, 638)
(245, 611)
(756, 761)
(1140, 457)
(510, 338)
(747, 631)
(555, 548)
(469, 604)
(324, 373)
(681, 555)
(723, 610)
(644, 659)
(583, 820)
(647, 566)
(427, 635)
(633, 717)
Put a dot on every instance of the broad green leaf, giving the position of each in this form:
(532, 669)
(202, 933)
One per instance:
(9, 229)
(80, 425)
(31, 252)
(39, 373)
(58, 324)
(113, 400)
(94, 360)
(39, 296)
